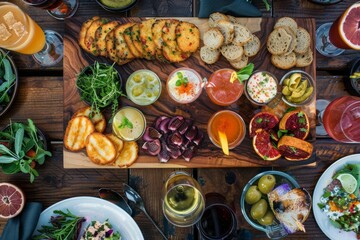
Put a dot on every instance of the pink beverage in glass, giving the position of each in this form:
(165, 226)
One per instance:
(341, 119)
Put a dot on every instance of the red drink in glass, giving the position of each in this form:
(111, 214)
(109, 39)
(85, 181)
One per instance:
(341, 119)
(45, 4)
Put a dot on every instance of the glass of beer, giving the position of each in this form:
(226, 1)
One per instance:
(59, 9)
(19, 33)
(183, 202)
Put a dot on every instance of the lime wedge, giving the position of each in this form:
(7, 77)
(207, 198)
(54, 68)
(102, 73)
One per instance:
(224, 142)
(348, 182)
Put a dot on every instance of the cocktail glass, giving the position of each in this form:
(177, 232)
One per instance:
(341, 119)
(19, 33)
(333, 38)
(183, 202)
(59, 9)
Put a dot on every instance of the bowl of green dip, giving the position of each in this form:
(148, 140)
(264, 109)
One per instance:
(117, 5)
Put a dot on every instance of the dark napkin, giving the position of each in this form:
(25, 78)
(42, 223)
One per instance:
(22, 226)
(236, 8)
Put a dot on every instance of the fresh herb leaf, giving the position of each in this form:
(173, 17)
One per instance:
(290, 109)
(281, 132)
(125, 122)
(259, 120)
(181, 80)
(267, 5)
(245, 72)
(303, 129)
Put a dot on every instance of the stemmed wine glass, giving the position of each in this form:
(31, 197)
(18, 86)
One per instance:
(59, 9)
(333, 38)
(21, 34)
(183, 202)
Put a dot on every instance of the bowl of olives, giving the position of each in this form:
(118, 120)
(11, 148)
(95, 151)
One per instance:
(254, 201)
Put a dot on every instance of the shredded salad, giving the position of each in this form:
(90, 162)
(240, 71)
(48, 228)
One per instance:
(100, 231)
(343, 207)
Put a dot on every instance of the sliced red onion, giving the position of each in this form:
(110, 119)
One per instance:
(185, 126)
(151, 134)
(164, 125)
(199, 137)
(176, 139)
(189, 153)
(191, 133)
(152, 147)
(158, 121)
(175, 123)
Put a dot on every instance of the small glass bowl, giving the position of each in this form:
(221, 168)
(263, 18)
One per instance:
(254, 77)
(306, 76)
(170, 85)
(281, 178)
(129, 113)
(142, 99)
(117, 9)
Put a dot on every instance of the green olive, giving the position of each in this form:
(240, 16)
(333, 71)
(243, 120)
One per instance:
(137, 91)
(267, 219)
(252, 195)
(259, 209)
(266, 183)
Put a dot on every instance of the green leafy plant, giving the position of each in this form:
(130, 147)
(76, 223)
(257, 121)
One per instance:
(7, 79)
(125, 122)
(99, 85)
(21, 148)
(64, 226)
(181, 80)
(244, 73)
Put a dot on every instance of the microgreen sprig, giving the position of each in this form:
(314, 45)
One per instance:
(125, 122)
(181, 80)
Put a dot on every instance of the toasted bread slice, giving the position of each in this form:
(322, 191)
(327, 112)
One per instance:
(239, 64)
(110, 46)
(100, 149)
(242, 35)
(135, 36)
(303, 40)
(227, 30)
(208, 55)
(213, 38)
(284, 61)
(90, 38)
(157, 35)
(130, 43)
(85, 26)
(304, 60)
(232, 52)
(100, 35)
(118, 143)
(278, 41)
(293, 42)
(286, 22)
(216, 16)
(187, 37)
(97, 119)
(128, 155)
(122, 50)
(173, 55)
(146, 38)
(252, 47)
(169, 34)
(76, 133)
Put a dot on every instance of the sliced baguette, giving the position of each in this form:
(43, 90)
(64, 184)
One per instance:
(240, 63)
(286, 22)
(101, 35)
(242, 35)
(293, 42)
(278, 41)
(130, 43)
(122, 50)
(157, 35)
(232, 52)
(214, 17)
(187, 37)
(213, 38)
(146, 38)
(227, 30)
(303, 40)
(135, 36)
(304, 60)
(90, 38)
(169, 34)
(284, 61)
(252, 47)
(84, 28)
(209, 55)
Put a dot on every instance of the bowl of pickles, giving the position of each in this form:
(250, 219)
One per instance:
(298, 88)
(255, 205)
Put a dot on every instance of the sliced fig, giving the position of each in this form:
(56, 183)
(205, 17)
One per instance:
(191, 133)
(176, 139)
(164, 125)
(151, 134)
(153, 147)
(189, 153)
(158, 121)
(175, 123)
(199, 137)
(185, 126)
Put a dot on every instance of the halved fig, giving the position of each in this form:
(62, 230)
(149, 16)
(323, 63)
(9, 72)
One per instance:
(294, 149)
(153, 147)
(151, 134)
(175, 123)
(297, 123)
(262, 120)
(264, 147)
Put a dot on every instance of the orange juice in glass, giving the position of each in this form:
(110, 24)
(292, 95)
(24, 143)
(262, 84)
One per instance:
(18, 32)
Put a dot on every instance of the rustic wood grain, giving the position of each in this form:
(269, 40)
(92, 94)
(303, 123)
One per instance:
(208, 155)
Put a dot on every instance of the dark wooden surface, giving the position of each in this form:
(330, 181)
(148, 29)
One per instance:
(41, 98)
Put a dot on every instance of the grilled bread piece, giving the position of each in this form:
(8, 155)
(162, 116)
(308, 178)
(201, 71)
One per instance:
(157, 36)
(303, 60)
(284, 61)
(214, 17)
(90, 39)
(278, 41)
(85, 26)
(287, 22)
(242, 35)
(252, 47)
(174, 55)
(130, 43)
(293, 42)
(100, 35)
(122, 50)
(232, 52)
(118, 143)
(213, 38)
(303, 40)
(187, 37)
(128, 155)
(110, 46)
(239, 64)
(100, 149)
(135, 36)
(146, 38)
(97, 119)
(209, 55)
(169, 34)
(76, 133)
(227, 30)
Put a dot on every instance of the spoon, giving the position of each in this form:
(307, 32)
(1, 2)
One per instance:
(114, 197)
(134, 197)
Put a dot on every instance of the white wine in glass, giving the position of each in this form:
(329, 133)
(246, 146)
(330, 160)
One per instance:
(183, 200)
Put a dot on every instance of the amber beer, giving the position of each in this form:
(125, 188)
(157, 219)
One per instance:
(18, 32)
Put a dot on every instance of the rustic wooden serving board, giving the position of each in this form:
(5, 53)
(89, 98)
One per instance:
(208, 156)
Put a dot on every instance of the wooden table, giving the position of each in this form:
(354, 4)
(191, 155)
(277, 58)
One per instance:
(40, 98)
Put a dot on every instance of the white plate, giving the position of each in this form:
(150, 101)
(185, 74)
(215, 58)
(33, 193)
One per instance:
(95, 209)
(320, 217)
